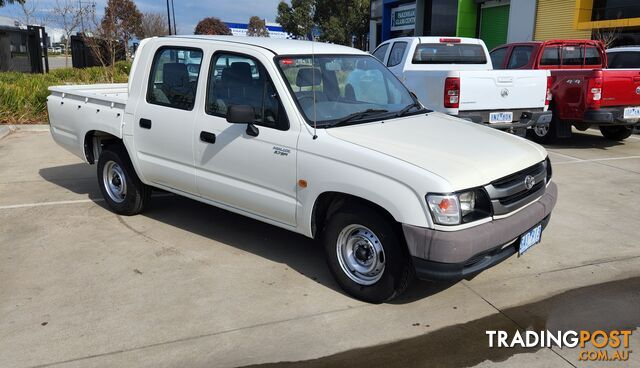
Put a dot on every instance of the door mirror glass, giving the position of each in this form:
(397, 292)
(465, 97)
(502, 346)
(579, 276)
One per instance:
(240, 114)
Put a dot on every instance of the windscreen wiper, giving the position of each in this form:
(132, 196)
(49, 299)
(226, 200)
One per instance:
(356, 116)
(409, 107)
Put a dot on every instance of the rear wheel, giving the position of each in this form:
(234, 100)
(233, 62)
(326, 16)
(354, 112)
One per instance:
(616, 132)
(366, 256)
(120, 186)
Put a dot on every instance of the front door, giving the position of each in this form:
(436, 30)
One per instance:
(254, 173)
(164, 129)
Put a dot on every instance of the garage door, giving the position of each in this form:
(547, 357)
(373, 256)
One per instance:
(494, 24)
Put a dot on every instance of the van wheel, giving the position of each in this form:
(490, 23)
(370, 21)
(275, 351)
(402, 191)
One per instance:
(366, 256)
(616, 132)
(120, 186)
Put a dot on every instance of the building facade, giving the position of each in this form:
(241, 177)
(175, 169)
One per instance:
(502, 21)
(495, 21)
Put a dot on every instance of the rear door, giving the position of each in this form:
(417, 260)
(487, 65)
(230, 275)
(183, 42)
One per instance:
(163, 131)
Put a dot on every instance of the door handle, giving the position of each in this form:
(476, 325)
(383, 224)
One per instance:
(145, 123)
(207, 137)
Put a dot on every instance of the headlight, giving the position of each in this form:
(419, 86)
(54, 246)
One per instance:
(459, 208)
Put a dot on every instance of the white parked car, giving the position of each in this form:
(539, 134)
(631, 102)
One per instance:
(454, 75)
(625, 57)
(269, 129)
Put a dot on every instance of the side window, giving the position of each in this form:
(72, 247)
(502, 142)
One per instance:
(397, 52)
(381, 51)
(174, 77)
(519, 57)
(550, 56)
(497, 57)
(241, 80)
(571, 55)
(592, 56)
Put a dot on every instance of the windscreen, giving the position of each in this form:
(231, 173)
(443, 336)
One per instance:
(341, 86)
(449, 53)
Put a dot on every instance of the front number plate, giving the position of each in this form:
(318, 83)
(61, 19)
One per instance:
(529, 239)
(631, 112)
(500, 117)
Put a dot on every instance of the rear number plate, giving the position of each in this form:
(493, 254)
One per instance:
(501, 117)
(529, 239)
(631, 112)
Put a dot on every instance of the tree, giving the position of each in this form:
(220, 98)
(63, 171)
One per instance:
(343, 22)
(3, 2)
(67, 14)
(153, 24)
(297, 19)
(121, 20)
(28, 9)
(257, 27)
(212, 26)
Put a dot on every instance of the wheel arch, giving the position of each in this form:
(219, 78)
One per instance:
(95, 141)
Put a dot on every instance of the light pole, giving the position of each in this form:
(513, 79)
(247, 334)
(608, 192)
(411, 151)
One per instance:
(169, 17)
(81, 11)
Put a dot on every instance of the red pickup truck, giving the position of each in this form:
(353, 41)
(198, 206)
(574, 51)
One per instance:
(585, 93)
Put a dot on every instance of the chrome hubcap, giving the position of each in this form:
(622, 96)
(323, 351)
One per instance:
(360, 254)
(114, 181)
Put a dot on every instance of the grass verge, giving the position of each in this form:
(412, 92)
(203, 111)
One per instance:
(23, 97)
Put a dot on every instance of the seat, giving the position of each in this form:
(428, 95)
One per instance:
(176, 85)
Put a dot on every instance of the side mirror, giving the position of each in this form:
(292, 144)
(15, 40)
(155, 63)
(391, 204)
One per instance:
(240, 114)
(243, 114)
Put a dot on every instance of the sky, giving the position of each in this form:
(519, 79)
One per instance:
(188, 12)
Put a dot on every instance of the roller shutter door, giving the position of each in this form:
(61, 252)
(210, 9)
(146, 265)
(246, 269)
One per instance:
(554, 20)
(494, 24)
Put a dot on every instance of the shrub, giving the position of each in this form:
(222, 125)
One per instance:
(23, 97)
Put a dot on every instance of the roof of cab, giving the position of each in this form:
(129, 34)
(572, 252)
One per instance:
(277, 46)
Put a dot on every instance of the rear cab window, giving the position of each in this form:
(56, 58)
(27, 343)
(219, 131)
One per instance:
(550, 56)
(519, 57)
(449, 53)
(174, 77)
(381, 51)
(624, 59)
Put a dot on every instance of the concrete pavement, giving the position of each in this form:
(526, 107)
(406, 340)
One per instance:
(186, 284)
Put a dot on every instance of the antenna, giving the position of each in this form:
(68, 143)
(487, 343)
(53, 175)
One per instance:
(313, 85)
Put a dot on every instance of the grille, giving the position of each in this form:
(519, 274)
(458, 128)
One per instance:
(510, 192)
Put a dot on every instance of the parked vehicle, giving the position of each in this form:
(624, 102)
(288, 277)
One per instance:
(455, 76)
(584, 93)
(627, 57)
(389, 188)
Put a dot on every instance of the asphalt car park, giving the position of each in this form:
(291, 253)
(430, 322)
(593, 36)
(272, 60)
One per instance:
(186, 284)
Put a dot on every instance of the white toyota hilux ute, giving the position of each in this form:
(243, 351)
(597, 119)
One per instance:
(455, 75)
(271, 129)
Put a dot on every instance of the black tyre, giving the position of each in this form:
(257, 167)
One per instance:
(366, 256)
(120, 186)
(616, 132)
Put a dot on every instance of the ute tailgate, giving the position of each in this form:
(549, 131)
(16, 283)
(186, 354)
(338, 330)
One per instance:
(502, 89)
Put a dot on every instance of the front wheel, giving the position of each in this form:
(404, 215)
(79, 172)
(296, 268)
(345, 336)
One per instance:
(366, 256)
(616, 132)
(120, 186)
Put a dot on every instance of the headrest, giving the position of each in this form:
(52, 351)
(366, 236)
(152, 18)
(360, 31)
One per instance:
(238, 72)
(307, 76)
(175, 74)
(365, 64)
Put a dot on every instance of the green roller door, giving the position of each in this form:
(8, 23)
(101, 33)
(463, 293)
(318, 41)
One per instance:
(494, 23)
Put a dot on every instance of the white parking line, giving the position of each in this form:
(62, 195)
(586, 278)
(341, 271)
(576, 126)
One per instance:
(596, 160)
(563, 155)
(56, 203)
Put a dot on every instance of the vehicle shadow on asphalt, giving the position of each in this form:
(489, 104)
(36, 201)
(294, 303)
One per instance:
(608, 306)
(584, 140)
(298, 252)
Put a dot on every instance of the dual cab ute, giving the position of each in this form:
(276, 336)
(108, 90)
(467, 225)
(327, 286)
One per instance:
(455, 76)
(272, 129)
(585, 94)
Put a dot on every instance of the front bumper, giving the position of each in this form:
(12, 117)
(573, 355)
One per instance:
(454, 255)
(525, 120)
(608, 116)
